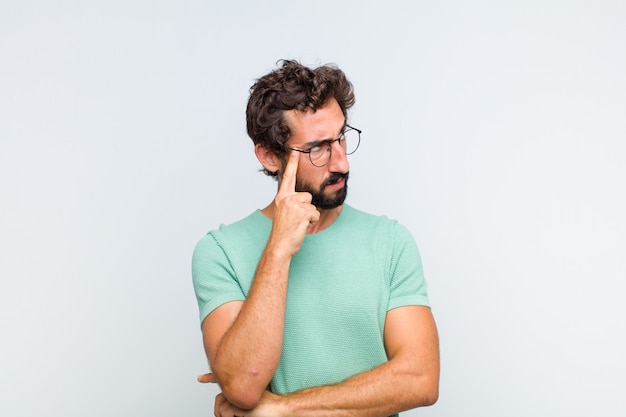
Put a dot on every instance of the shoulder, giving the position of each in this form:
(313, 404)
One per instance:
(380, 223)
(355, 215)
(247, 230)
(249, 225)
(380, 230)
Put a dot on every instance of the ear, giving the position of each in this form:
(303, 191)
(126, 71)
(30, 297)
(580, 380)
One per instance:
(269, 160)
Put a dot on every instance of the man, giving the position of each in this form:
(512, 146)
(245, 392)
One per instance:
(310, 307)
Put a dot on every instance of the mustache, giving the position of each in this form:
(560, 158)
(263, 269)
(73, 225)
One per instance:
(335, 177)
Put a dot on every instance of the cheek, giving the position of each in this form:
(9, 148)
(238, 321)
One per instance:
(311, 175)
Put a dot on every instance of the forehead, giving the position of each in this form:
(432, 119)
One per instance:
(307, 126)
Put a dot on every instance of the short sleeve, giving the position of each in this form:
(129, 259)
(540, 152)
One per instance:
(214, 278)
(408, 285)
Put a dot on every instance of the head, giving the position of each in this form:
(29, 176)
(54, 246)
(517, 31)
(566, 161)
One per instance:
(292, 87)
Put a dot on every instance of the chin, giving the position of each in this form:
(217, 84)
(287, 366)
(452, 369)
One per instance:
(323, 202)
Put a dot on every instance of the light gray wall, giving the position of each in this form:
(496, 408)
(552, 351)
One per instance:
(494, 130)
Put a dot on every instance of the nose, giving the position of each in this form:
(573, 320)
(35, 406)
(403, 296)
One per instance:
(338, 159)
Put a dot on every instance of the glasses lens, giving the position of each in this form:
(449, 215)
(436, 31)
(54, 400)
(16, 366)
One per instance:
(352, 138)
(320, 155)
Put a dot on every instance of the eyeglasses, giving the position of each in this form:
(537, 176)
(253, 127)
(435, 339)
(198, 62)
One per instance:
(320, 152)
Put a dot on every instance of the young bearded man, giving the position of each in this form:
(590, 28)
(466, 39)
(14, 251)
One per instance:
(310, 307)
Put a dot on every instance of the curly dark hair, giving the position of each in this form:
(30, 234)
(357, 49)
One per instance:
(292, 86)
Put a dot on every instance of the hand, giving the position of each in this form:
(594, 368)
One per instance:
(293, 212)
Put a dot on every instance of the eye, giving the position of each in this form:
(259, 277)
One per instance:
(315, 148)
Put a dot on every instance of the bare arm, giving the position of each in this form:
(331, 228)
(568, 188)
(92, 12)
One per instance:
(243, 340)
(409, 379)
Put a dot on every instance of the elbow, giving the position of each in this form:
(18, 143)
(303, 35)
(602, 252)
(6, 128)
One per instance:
(241, 398)
(430, 397)
(241, 388)
(424, 392)
(429, 393)
(240, 394)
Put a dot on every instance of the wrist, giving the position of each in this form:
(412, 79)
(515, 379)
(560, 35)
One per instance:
(278, 253)
(282, 406)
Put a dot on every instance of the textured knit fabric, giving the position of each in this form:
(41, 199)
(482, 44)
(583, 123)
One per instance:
(342, 282)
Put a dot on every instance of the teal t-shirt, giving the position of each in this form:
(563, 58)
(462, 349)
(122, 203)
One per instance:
(342, 282)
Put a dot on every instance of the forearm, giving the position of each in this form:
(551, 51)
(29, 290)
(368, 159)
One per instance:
(248, 353)
(388, 389)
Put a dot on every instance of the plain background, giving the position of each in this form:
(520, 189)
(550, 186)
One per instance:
(495, 130)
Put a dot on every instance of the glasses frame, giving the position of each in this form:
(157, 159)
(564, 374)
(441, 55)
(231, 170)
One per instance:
(329, 143)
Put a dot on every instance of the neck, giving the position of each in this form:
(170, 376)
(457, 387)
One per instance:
(327, 217)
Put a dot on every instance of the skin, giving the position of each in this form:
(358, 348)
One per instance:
(243, 340)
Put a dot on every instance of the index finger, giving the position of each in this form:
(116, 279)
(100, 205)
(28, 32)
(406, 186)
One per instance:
(288, 183)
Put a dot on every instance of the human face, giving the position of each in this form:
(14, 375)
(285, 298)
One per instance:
(328, 184)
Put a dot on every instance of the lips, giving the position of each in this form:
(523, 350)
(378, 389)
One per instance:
(336, 180)
(338, 184)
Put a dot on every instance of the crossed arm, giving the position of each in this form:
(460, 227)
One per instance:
(409, 379)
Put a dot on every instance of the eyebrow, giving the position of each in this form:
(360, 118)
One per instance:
(320, 141)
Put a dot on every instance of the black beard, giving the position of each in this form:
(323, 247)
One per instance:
(321, 200)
